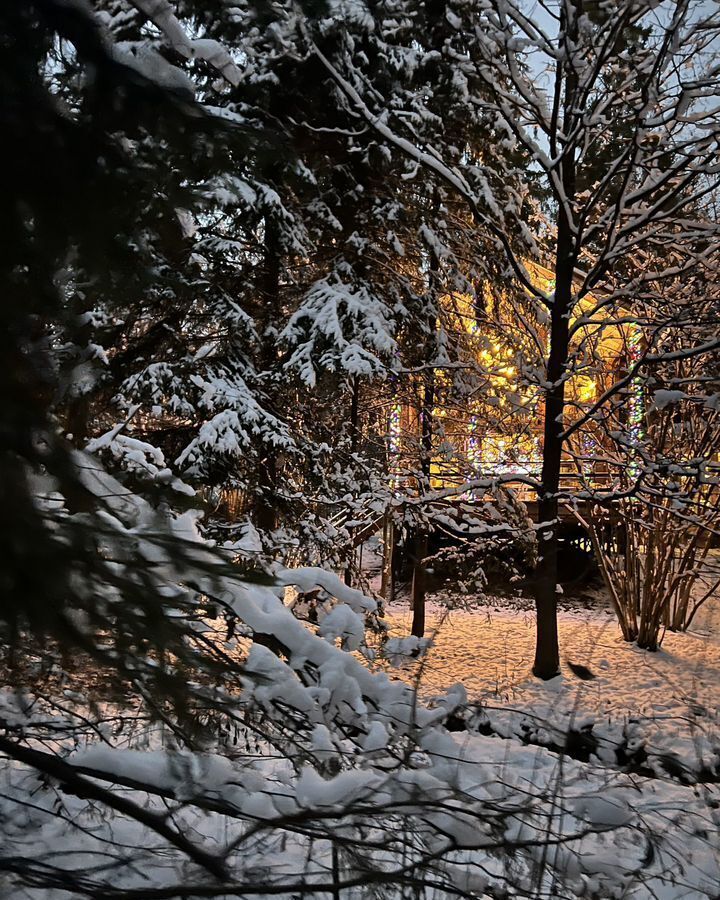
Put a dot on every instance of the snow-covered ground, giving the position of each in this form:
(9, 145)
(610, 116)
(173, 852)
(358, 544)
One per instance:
(666, 703)
(630, 810)
(644, 731)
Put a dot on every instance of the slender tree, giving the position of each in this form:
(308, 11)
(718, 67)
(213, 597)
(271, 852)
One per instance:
(556, 86)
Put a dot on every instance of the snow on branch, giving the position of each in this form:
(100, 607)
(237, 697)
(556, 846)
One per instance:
(162, 14)
(431, 160)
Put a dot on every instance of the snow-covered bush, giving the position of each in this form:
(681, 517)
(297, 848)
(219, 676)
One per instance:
(658, 569)
(284, 766)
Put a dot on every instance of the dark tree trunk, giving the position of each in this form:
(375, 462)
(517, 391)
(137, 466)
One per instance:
(388, 575)
(547, 654)
(394, 563)
(427, 410)
(78, 419)
(354, 415)
(354, 439)
(547, 651)
(266, 511)
(419, 587)
(265, 505)
(420, 542)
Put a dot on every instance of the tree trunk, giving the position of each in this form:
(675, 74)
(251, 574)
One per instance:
(419, 587)
(387, 576)
(420, 542)
(265, 506)
(354, 438)
(355, 415)
(547, 651)
(266, 501)
(427, 411)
